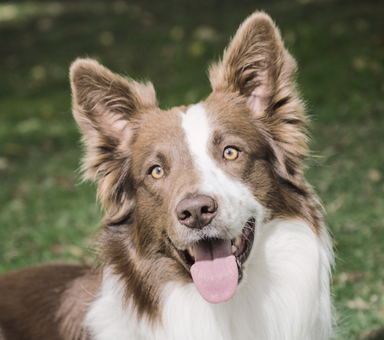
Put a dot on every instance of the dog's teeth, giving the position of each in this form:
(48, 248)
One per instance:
(233, 249)
(190, 251)
(237, 241)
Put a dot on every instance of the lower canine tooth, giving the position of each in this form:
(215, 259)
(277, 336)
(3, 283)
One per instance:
(237, 241)
(233, 249)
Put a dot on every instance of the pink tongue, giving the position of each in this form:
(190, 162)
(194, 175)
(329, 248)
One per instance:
(215, 270)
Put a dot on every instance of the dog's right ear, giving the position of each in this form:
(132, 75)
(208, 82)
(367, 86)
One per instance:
(107, 108)
(257, 67)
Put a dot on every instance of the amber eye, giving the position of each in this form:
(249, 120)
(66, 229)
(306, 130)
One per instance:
(231, 154)
(157, 172)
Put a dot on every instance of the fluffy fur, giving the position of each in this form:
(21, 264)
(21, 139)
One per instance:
(285, 296)
(143, 288)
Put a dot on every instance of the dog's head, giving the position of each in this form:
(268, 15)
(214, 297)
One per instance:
(190, 186)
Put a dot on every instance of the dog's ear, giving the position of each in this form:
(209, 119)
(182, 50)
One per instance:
(107, 108)
(258, 67)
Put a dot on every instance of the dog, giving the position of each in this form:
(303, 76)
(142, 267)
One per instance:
(210, 230)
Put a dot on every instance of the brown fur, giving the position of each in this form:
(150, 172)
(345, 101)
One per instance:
(282, 198)
(74, 305)
(30, 300)
(254, 94)
(256, 58)
(139, 249)
(254, 106)
(106, 107)
(139, 255)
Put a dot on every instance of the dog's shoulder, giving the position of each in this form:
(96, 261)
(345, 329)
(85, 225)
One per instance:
(46, 302)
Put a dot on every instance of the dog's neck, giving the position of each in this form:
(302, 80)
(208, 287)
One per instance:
(279, 289)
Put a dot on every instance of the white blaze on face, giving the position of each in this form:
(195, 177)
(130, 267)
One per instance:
(236, 202)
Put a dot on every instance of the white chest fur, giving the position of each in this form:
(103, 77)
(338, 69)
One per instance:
(284, 296)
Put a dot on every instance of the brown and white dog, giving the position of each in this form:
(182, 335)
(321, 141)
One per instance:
(211, 230)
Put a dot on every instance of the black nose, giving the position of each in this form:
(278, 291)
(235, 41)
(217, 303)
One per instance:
(196, 212)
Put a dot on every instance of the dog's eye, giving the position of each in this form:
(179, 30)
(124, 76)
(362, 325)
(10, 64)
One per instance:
(231, 154)
(157, 172)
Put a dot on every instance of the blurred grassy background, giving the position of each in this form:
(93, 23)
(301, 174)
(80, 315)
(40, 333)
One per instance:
(46, 216)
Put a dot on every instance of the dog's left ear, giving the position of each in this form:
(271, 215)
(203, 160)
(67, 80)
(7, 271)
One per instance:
(258, 67)
(108, 109)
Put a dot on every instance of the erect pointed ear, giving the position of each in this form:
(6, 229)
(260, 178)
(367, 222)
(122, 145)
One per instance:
(107, 108)
(255, 64)
(258, 67)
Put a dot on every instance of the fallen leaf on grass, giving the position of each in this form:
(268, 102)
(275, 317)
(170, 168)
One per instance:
(205, 33)
(336, 204)
(358, 303)
(3, 163)
(56, 248)
(372, 335)
(375, 175)
(75, 251)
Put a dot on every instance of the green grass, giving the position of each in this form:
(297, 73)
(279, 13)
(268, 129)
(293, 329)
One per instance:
(45, 215)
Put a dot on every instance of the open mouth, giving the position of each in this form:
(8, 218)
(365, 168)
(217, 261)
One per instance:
(240, 248)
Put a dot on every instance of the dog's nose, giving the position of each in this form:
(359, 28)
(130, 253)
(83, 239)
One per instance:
(196, 212)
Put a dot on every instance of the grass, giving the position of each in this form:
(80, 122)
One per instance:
(45, 215)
